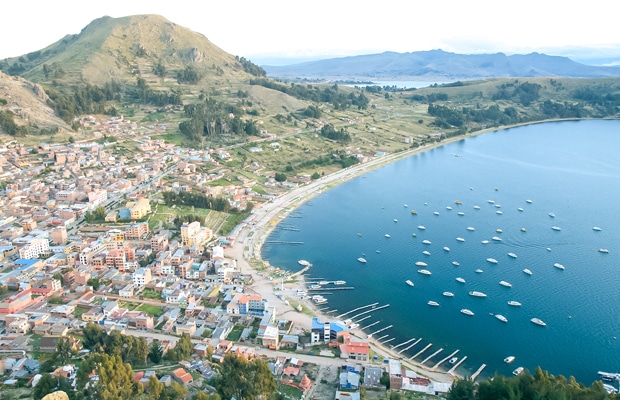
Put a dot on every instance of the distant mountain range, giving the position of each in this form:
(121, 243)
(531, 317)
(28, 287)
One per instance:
(438, 65)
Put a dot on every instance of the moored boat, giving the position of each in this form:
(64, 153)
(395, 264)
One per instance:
(414, 212)
(499, 212)
(517, 371)
(603, 251)
(426, 241)
(421, 227)
(509, 359)
(461, 213)
(556, 228)
(499, 230)
(559, 266)
(501, 317)
(478, 271)
(467, 311)
(528, 201)
(596, 228)
(455, 263)
(513, 255)
(426, 253)
(505, 284)
(409, 282)
(552, 215)
(446, 248)
(523, 230)
(476, 293)
(303, 263)
(433, 303)
(448, 294)
(527, 271)
(387, 235)
(448, 208)
(340, 283)
(492, 260)
(461, 280)
(476, 207)
(436, 213)
(424, 271)
(514, 303)
(395, 220)
(421, 264)
(497, 238)
(519, 209)
(354, 326)
(485, 242)
(460, 239)
(453, 360)
(361, 259)
(471, 228)
(538, 321)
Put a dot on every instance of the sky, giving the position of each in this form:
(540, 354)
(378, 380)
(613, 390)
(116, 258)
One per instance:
(273, 31)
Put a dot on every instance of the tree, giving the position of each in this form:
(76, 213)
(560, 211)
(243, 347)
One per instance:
(64, 350)
(45, 386)
(243, 379)
(204, 396)
(156, 388)
(115, 378)
(141, 350)
(71, 139)
(280, 177)
(461, 389)
(156, 352)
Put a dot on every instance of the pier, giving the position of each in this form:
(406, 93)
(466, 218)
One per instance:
(403, 343)
(432, 355)
(410, 346)
(369, 311)
(387, 341)
(380, 330)
(444, 360)
(475, 375)
(356, 309)
(421, 351)
(451, 371)
(382, 337)
(373, 324)
(362, 319)
(282, 242)
(331, 288)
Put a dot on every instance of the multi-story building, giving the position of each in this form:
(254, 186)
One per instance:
(97, 197)
(29, 224)
(159, 243)
(141, 277)
(59, 235)
(136, 230)
(326, 331)
(140, 209)
(193, 234)
(34, 248)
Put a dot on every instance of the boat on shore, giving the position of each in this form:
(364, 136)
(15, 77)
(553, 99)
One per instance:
(362, 260)
(527, 271)
(408, 282)
(448, 294)
(509, 359)
(501, 317)
(492, 260)
(517, 371)
(514, 303)
(421, 264)
(433, 303)
(476, 293)
(505, 284)
(303, 263)
(467, 311)
(559, 266)
(424, 272)
(538, 321)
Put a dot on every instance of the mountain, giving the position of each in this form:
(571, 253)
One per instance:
(119, 49)
(439, 65)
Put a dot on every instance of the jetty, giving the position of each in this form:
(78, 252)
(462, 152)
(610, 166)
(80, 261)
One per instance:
(381, 330)
(356, 309)
(371, 310)
(451, 371)
(373, 324)
(282, 242)
(432, 355)
(444, 360)
(382, 337)
(410, 346)
(475, 375)
(362, 319)
(387, 341)
(421, 351)
(403, 343)
(332, 288)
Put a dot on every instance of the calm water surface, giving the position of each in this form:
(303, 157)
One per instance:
(568, 169)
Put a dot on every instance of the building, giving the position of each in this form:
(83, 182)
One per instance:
(141, 277)
(140, 209)
(326, 331)
(29, 224)
(136, 231)
(35, 248)
(192, 234)
(59, 235)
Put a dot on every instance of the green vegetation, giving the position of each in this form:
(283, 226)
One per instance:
(153, 311)
(8, 125)
(235, 334)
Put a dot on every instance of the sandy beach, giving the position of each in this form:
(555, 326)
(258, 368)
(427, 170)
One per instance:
(249, 240)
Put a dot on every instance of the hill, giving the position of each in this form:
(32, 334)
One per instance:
(439, 65)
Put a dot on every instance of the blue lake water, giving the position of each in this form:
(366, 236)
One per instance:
(570, 169)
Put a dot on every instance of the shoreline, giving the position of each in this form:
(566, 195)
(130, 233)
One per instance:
(253, 235)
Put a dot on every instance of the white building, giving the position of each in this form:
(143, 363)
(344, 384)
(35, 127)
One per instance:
(141, 277)
(35, 248)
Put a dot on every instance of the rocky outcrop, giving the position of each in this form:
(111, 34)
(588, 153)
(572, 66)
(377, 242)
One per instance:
(59, 395)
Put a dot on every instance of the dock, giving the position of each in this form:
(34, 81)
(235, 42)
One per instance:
(475, 375)
(403, 343)
(382, 337)
(432, 355)
(451, 371)
(421, 351)
(371, 310)
(444, 360)
(410, 346)
(380, 330)
(362, 319)
(356, 309)
(387, 341)
(331, 288)
(368, 326)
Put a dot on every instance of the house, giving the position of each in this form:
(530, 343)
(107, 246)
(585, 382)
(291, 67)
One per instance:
(181, 376)
(354, 350)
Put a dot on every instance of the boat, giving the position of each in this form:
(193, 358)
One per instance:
(548, 248)
(362, 260)
(517, 371)
(387, 235)
(460, 239)
(458, 202)
(476, 293)
(319, 299)
(527, 271)
(514, 303)
(395, 220)
(455, 263)
(513, 255)
(492, 260)
(490, 202)
(433, 303)
(436, 213)
(498, 230)
(499, 212)
(522, 229)
(453, 360)
(405, 205)
(421, 264)
(448, 294)
(609, 376)
(609, 388)
(519, 209)
(426, 241)
(505, 284)
(377, 251)
(467, 312)
(354, 326)
(461, 213)
(315, 286)
(421, 227)
(414, 212)
(552, 215)
(303, 263)
(556, 228)
(426, 253)
(538, 321)
(340, 283)
(448, 208)
(479, 271)
(408, 282)
(596, 228)
(461, 280)
(496, 238)
(509, 359)
(498, 206)
(559, 266)
(424, 271)
(528, 201)
(485, 242)
(359, 234)
(471, 228)
(476, 207)
(446, 248)
(322, 283)
(501, 317)
(603, 251)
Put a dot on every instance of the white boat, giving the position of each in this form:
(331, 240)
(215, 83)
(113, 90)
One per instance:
(405, 205)
(485, 242)
(519, 209)
(552, 215)
(517, 371)
(509, 359)
(471, 228)
(498, 230)
(467, 312)
(315, 286)
(505, 284)
(479, 271)
(499, 212)
(522, 229)
(559, 266)
(322, 283)
(610, 389)
(426, 253)
(340, 283)
(448, 208)
(548, 248)
(501, 317)
(433, 303)
(492, 260)
(453, 360)
(596, 228)
(421, 264)
(556, 228)
(303, 263)
(528, 201)
(354, 326)
(538, 321)
(603, 251)
(408, 282)
(460, 239)
(527, 271)
(424, 271)
(496, 238)
(498, 206)
(421, 227)
(448, 294)
(476, 293)
(387, 235)
(436, 213)
(490, 202)
(461, 213)
(446, 248)
(426, 241)
(513, 255)
(514, 303)
(476, 207)
(455, 263)
(319, 299)
(395, 220)
(362, 260)
(461, 280)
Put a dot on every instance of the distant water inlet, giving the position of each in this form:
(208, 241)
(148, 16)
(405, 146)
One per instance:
(568, 169)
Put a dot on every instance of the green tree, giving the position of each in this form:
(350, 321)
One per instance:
(45, 386)
(245, 379)
(71, 139)
(155, 388)
(280, 177)
(115, 378)
(204, 396)
(64, 350)
(155, 352)
(461, 389)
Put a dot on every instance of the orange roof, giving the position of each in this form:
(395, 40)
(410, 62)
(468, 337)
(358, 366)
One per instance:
(183, 375)
(305, 383)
